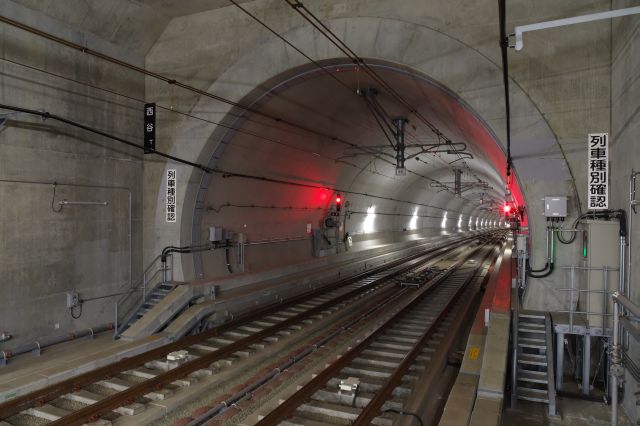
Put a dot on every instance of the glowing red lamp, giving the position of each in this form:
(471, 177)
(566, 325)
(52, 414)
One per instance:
(506, 209)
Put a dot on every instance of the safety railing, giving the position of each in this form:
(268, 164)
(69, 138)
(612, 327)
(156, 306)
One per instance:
(603, 293)
(156, 273)
(624, 311)
(551, 381)
(515, 306)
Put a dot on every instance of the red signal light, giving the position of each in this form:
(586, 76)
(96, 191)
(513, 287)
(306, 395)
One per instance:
(506, 208)
(338, 202)
(338, 199)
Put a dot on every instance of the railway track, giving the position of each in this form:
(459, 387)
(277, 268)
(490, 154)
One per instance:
(373, 382)
(124, 389)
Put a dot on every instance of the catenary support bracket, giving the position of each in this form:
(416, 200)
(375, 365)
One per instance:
(521, 29)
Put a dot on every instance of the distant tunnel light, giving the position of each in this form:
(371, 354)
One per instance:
(460, 222)
(369, 220)
(444, 221)
(477, 222)
(413, 223)
(470, 222)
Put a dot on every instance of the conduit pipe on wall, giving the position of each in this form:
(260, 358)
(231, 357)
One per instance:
(38, 345)
(47, 115)
(80, 185)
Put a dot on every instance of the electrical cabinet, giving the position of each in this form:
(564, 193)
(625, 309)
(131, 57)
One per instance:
(555, 206)
(601, 250)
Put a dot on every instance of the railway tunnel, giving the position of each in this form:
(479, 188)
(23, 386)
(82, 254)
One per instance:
(285, 212)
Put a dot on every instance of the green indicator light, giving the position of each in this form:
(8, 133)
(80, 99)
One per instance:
(584, 251)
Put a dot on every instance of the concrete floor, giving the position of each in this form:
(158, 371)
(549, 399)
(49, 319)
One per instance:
(573, 412)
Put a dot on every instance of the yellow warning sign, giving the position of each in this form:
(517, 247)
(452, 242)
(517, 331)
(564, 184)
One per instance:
(474, 351)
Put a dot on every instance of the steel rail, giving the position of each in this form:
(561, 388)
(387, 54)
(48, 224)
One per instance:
(93, 411)
(387, 296)
(289, 406)
(372, 409)
(21, 403)
(418, 403)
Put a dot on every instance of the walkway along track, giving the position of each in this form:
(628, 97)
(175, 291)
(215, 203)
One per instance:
(384, 365)
(207, 348)
(387, 351)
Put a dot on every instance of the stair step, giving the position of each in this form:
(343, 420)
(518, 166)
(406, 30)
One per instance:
(533, 372)
(532, 340)
(532, 377)
(532, 345)
(535, 395)
(528, 329)
(532, 359)
(531, 315)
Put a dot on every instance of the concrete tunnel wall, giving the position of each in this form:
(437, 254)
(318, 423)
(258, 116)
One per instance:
(44, 254)
(565, 83)
(245, 71)
(306, 158)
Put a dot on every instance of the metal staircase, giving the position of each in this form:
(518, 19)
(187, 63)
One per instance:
(153, 299)
(156, 283)
(534, 359)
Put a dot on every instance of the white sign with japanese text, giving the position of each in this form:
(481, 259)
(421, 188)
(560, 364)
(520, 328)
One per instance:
(598, 171)
(171, 195)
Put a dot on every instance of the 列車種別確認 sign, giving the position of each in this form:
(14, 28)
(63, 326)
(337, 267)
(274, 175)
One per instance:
(171, 195)
(598, 171)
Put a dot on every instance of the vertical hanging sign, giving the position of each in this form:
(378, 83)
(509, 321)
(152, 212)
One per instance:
(171, 195)
(149, 128)
(598, 171)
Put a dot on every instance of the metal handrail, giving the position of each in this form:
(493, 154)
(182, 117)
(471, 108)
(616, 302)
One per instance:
(572, 290)
(617, 350)
(514, 358)
(551, 382)
(143, 285)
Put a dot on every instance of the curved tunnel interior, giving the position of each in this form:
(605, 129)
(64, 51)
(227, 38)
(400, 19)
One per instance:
(329, 142)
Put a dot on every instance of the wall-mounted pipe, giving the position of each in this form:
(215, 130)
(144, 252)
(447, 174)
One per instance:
(45, 342)
(80, 185)
(632, 203)
(83, 203)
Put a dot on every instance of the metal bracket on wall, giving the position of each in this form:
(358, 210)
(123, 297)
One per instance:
(521, 29)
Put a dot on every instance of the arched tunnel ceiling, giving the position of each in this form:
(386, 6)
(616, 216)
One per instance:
(132, 24)
(337, 117)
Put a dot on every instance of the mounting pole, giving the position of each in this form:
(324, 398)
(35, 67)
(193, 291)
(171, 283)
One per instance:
(457, 182)
(399, 124)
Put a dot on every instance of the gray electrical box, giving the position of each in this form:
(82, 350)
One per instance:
(555, 206)
(216, 234)
(73, 299)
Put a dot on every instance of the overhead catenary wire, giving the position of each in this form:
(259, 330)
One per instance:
(49, 116)
(223, 173)
(165, 79)
(178, 112)
(324, 69)
(307, 15)
(236, 129)
(358, 61)
(176, 83)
